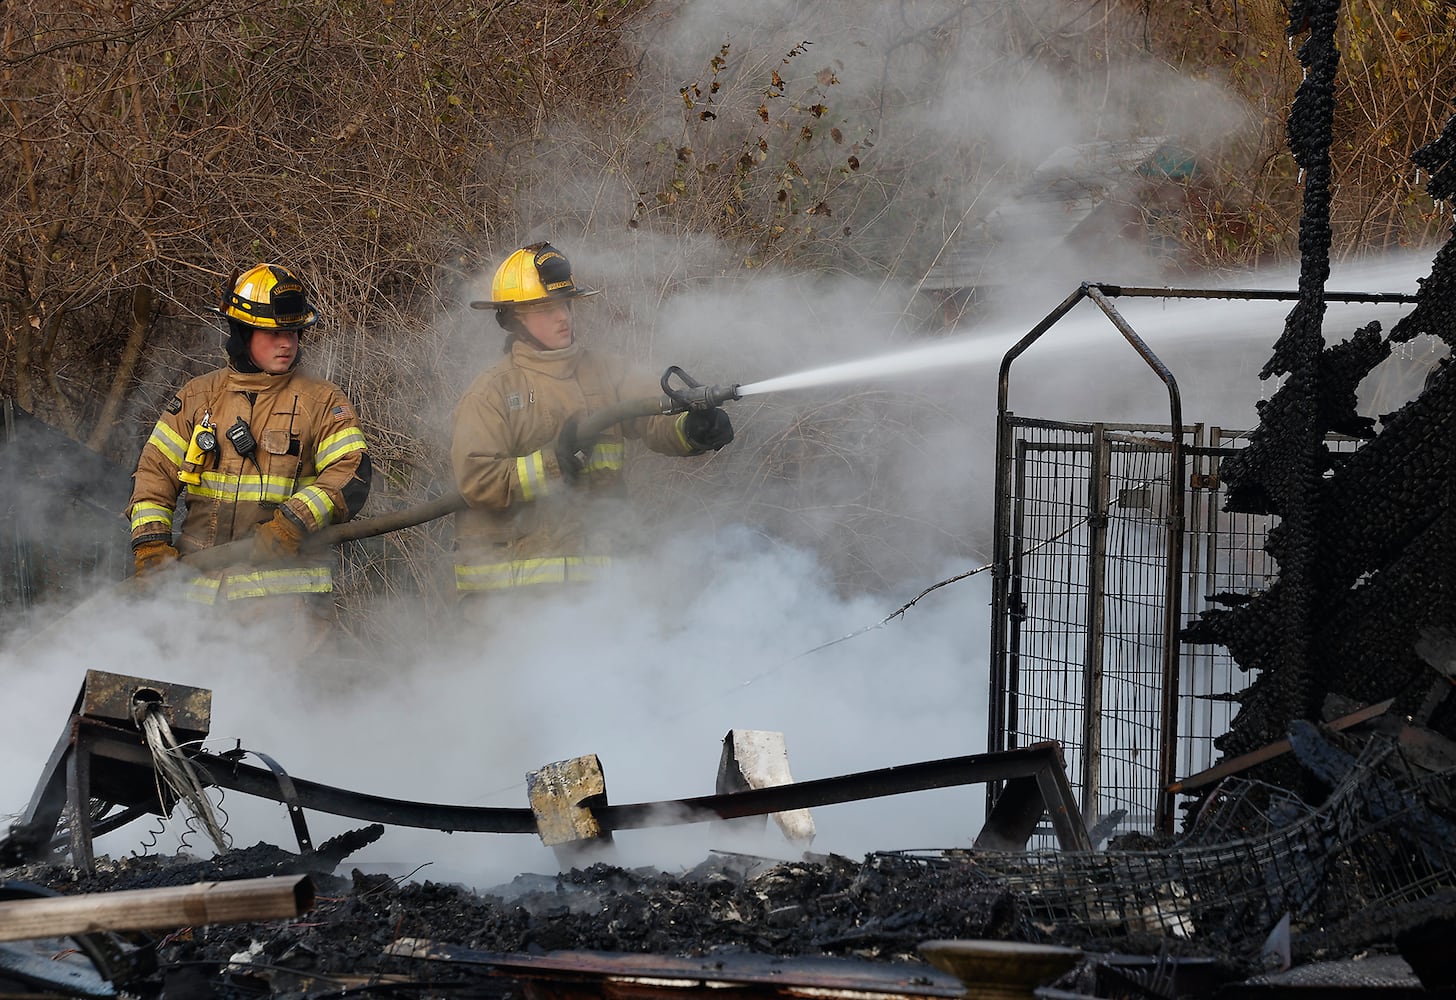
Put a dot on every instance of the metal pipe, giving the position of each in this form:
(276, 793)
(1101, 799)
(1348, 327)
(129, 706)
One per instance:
(228, 773)
(1172, 567)
(1266, 294)
(1099, 485)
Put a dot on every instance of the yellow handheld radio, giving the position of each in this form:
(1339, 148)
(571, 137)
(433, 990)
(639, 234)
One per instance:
(203, 443)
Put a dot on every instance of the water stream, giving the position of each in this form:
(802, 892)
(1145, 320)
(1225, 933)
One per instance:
(1219, 340)
(974, 350)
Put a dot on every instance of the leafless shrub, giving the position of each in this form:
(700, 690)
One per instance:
(392, 152)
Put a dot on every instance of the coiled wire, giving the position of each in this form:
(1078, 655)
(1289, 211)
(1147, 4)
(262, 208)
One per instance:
(177, 780)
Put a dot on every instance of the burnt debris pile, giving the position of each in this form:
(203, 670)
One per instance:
(1348, 841)
(880, 909)
(1350, 872)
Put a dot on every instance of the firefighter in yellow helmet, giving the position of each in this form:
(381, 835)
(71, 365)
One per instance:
(530, 483)
(259, 450)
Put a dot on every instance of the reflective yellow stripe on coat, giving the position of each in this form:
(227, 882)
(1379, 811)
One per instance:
(231, 488)
(606, 456)
(531, 471)
(318, 503)
(336, 446)
(146, 512)
(261, 583)
(529, 572)
(169, 443)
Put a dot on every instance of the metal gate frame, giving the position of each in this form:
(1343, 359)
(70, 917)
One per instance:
(1193, 471)
(1086, 596)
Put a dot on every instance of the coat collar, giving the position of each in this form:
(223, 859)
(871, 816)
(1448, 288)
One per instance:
(557, 364)
(257, 381)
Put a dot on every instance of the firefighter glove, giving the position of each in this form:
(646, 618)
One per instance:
(153, 556)
(572, 454)
(705, 429)
(278, 538)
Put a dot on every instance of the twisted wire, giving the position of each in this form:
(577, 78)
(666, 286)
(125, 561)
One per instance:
(176, 775)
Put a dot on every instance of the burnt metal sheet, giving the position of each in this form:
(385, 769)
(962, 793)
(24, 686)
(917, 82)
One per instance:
(25, 965)
(1386, 975)
(110, 697)
(566, 973)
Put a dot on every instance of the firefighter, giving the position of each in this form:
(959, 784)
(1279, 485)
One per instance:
(258, 449)
(530, 483)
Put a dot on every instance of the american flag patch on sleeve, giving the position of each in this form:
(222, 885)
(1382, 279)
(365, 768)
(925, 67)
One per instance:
(340, 410)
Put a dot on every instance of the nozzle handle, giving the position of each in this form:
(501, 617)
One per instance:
(692, 394)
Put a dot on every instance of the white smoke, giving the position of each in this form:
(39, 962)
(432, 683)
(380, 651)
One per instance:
(834, 507)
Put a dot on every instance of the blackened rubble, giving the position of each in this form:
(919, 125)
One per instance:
(880, 909)
(1350, 876)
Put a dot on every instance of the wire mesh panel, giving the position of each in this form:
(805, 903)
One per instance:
(1134, 610)
(1383, 841)
(1081, 614)
(1083, 608)
(1224, 555)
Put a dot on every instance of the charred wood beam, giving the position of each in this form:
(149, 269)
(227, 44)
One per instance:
(1278, 748)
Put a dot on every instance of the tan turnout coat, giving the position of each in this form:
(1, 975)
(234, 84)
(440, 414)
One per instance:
(311, 459)
(525, 523)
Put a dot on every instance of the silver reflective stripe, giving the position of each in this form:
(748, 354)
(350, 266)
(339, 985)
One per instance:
(147, 512)
(606, 456)
(531, 471)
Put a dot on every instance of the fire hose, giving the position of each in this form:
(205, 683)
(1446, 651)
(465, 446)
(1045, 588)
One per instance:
(680, 394)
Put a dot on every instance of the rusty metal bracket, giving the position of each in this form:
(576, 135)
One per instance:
(79, 765)
(1025, 800)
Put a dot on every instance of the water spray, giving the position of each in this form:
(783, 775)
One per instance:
(947, 354)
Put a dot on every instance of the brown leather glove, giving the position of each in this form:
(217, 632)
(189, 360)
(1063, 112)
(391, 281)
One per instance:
(277, 539)
(152, 556)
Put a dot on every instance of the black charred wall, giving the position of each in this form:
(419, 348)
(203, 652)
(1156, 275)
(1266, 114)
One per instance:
(1366, 540)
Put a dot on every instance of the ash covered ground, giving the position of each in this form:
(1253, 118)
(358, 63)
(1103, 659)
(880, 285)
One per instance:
(880, 908)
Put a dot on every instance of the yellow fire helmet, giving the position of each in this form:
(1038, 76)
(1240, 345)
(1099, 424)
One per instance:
(268, 297)
(537, 273)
